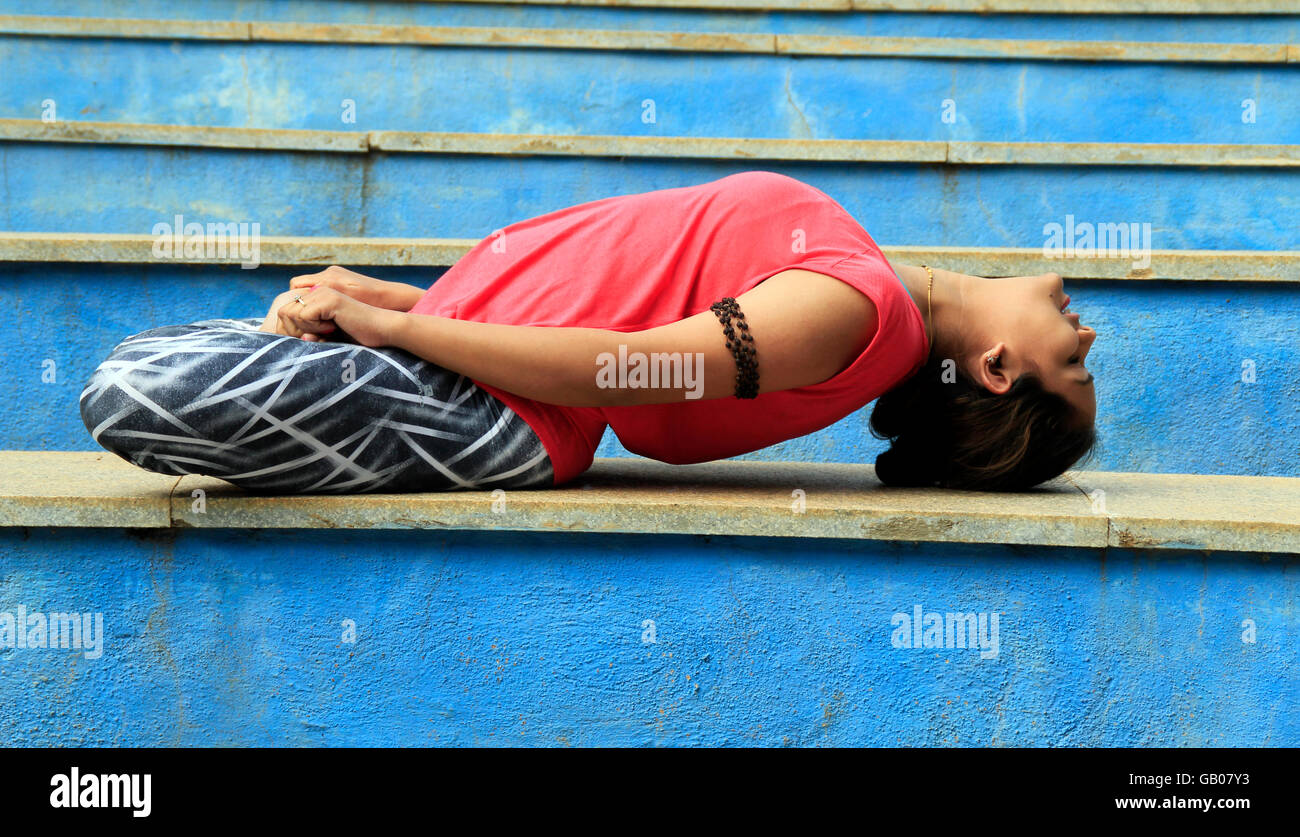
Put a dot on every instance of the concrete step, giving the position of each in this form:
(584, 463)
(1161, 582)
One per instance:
(1237, 21)
(1173, 265)
(759, 149)
(648, 40)
(1056, 7)
(764, 499)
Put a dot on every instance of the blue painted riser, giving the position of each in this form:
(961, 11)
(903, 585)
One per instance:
(1169, 364)
(235, 638)
(577, 92)
(86, 188)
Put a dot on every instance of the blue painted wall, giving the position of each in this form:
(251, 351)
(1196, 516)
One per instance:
(88, 188)
(226, 637)
(471, 638)
(281, 85)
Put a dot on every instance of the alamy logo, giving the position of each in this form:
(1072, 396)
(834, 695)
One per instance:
(107, 790)
(1085, 240)
(946, 630)
(637, 370)
(231, 240)
(76, 631)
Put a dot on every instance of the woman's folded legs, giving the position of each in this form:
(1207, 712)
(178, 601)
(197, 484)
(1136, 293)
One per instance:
(276, 414)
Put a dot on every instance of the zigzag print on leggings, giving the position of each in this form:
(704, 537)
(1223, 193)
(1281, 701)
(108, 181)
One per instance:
(276, 414)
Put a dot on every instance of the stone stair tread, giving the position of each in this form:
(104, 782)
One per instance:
(1090, 509)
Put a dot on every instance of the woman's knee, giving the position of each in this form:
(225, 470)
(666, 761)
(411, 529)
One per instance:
(115, 389)
(139, 388)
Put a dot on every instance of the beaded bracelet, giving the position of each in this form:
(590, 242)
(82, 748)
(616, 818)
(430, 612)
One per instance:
(728, 309)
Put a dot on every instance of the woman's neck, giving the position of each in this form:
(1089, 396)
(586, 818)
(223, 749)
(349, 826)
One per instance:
(942, 314)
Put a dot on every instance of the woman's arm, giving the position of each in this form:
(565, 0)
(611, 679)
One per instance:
(807, 327)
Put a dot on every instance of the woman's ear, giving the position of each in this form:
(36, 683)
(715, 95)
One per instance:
(991, 371)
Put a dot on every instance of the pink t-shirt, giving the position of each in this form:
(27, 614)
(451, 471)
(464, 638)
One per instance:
(638, 261)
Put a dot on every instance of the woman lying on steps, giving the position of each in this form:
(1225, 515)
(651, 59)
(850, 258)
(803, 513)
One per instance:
(699, 323)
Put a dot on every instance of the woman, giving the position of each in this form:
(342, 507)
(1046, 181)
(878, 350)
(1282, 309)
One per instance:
(699, 323)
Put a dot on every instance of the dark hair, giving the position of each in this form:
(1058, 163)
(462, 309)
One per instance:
(954, 433)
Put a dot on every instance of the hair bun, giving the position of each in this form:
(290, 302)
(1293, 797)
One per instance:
(907, 464)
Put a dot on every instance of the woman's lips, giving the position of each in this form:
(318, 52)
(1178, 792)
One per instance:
(1066, 304)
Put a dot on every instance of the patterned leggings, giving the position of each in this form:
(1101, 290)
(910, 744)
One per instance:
(275, 414)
